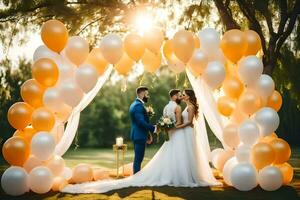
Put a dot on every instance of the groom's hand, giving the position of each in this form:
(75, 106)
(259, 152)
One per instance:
(150, 139)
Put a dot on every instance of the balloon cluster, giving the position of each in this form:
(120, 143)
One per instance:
(253, 154)
(65, 70)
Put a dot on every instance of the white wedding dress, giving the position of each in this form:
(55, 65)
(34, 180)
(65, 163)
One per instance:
(179, 162)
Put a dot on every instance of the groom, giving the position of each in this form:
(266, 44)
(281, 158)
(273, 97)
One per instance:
(140, 126)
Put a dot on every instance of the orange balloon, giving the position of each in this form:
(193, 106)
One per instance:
(153, 39)
(234, 45)
(151, 61)
(59, 183)
(82, 173)
(124, 65)
(275, 101)
(233, 87)
(19, 115)
(262, 155)
(282, 150)
(27, 133)
(45, 71)
(183, 45)
(42, 119)
(15, 151)
(253, 41)
(287, 172)
(196, 41)
(269, 138)
(54, 35)
(226, 105)
(238, 116)
(96, 59)
(168, 49)
(249, 102)
(134, 46)
(32, 93)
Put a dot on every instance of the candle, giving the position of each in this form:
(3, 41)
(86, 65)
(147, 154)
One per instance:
(119, 141)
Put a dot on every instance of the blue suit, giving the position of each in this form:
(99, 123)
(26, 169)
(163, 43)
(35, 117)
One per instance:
(140, 128)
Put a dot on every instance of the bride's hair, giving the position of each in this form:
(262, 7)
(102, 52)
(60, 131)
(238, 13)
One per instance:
(192, 99)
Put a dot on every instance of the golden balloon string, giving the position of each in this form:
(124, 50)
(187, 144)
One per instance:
(154, 77)
(176, 80)
(186, 82)
(124, 85)
(141, 79)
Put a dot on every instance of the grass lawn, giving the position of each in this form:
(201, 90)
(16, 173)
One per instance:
(105, 158)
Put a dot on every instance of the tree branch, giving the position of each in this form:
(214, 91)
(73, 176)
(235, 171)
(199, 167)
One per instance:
(226, 17)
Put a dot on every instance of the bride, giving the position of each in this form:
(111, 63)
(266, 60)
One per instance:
(180, 162)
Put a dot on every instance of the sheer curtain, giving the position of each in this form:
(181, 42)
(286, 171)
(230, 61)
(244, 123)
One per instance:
(207, 109)
(73, 121)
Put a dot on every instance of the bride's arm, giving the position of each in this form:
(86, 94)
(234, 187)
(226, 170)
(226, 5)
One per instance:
(178, 115)
(191, 112)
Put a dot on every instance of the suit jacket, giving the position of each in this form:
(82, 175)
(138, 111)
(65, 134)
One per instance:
(140, 125)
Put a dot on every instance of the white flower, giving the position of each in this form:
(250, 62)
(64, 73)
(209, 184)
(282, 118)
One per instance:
(162, 124)
(167, 121)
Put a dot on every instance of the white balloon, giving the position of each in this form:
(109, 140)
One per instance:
(43, 52)
(229, 165)
(243, 153)
(214, 74)
(52, 99)
(217, 55)
(86, 77)
(270, 178)
(66, 68)
(111, 48)
(71, 93)
(14, 181)
(209, 39)
(57, 131)
(77, 50)
(265, 86)
(40, 180)
(32, 162)
(214, 154)
(244, 177)
(231, 136)
(249, 69)
(42, 145)
(248, 132)
(267, 120)
(67, 173)
(220, 159)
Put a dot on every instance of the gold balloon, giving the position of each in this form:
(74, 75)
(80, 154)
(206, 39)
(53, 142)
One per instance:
(43, 119)
(15, 151)
(32, 93)
(153, 38)
(249, 102)
(124, 65)
(226, 105)
(64, 113)
(151, 61)
(238, 116)
(45, 71)
(233, 87)
(96, 59)
(59, 183)
(198, 62)
(183, 45)
(134, 46)
(269, 138)
(27, 133)
(196, 41)
(275, 101)
(253, 41)
(282, 150)
(54, 35)
(168, 49)
(19, 115)
(262, 155)
(287, 172)
(234, 44)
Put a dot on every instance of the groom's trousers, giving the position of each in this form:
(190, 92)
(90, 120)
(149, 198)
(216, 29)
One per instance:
(139, 152)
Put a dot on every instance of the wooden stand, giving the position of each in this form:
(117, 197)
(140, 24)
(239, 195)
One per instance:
(117, 150)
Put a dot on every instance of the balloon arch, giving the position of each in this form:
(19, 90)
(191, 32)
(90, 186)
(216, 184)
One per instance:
(242, 113)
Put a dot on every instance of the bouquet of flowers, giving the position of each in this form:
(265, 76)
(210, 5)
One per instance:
(166, 123)
(150, 111)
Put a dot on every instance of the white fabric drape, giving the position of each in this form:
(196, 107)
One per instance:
(73, 121)
(207, 109)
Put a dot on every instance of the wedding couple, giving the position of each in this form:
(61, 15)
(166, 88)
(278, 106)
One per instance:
(180, 162)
